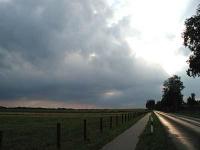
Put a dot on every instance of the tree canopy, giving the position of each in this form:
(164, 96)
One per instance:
(191, 100)
(191, 37)
(150, 104)
(172, 98)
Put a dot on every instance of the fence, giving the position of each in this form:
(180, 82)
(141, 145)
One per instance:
(51, 132)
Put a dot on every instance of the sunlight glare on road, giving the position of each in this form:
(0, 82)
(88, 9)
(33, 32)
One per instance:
(176, 134)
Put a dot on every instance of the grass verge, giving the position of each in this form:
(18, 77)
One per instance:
(195, 114)
(159, 140)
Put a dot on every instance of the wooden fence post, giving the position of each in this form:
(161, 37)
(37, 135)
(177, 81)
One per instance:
(84, 129)
(125, 118)
(122, 118)
(58, 135)
(110, 122)
(1, 137)
(151, 120)
(101, 124)
(116, 120)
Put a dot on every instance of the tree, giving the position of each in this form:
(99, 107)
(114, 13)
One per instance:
(172, 98)
(191, 37)
(158, 105)
(150, 104)
(191, 100)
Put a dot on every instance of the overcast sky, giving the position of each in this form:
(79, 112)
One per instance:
(91, 53)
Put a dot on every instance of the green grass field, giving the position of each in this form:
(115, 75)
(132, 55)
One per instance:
(37, 131)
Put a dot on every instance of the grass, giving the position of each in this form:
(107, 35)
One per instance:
(159, 140)
(37, 131)
(195, 114)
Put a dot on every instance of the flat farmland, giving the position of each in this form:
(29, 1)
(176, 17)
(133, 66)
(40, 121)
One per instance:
(38, 130)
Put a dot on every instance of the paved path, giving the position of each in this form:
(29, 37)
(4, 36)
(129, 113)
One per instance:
(184, 131)
(128, 139)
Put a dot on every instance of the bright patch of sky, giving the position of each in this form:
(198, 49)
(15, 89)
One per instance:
(159, 25)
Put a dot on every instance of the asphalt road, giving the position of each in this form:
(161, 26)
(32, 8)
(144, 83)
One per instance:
(184, 131)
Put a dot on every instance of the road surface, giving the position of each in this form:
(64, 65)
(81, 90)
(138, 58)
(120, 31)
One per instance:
(184, 131)
(128, 139)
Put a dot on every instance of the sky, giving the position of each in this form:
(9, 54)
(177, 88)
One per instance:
(92, 54)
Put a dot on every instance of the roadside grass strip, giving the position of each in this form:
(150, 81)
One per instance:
(158, 140)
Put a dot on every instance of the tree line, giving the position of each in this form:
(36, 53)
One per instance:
(172, 98)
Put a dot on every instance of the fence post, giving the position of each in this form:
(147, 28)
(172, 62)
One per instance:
(1, 138)
(101, 124)
(110, 122)
(116, 120)
(125, 118)
(122, 118)
(84, 129)
(151, 120)
(58, 135)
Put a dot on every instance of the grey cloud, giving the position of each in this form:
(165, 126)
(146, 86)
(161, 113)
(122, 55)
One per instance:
(191, 9)
(45, 53)
(184, 51)
(191, 85)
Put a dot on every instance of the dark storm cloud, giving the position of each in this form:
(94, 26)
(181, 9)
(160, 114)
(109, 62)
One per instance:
(65, 50)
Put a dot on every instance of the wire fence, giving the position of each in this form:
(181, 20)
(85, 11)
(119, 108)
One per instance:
(53, 132)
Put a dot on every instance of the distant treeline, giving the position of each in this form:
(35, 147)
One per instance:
(63, 110)
(172, 98)
(190, 105)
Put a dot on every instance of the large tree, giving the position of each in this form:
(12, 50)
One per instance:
(150, 104)
(172, 98)
(192, 41)
(191, 100)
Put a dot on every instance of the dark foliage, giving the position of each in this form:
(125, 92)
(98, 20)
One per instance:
(192, 41)
(191, 100)
(150, 104)
(158, 105)
(172, 99)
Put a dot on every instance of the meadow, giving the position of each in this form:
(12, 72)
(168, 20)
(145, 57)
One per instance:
(37, 129)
